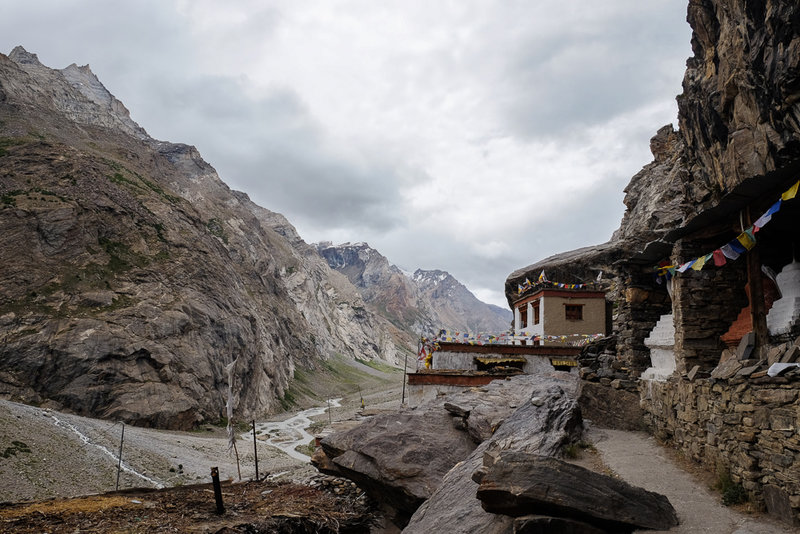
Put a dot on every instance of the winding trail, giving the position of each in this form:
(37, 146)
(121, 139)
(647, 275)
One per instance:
(639, 460)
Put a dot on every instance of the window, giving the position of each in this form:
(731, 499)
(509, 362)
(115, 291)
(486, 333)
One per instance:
(536, 312)
(573, 312)
(523, 316)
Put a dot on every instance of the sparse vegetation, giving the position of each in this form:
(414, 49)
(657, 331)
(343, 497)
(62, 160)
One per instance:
(732, 492)
(16, 447)
(307, 449)
(7, 142)
(573, 451)
(121, 258)
(214, 227)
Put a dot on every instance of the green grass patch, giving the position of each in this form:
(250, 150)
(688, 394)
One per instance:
(379, 366)
(330, 379)
(307, 449)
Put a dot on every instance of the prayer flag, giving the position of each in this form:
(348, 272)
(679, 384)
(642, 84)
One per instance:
(746, 239)
(699, 263)
(764, 219)
(719, 258)
(791, 192)
(729, 253)
(542, 276)
(685, 266)
(735, 245)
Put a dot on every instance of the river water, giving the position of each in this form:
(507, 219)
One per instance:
(288, 434)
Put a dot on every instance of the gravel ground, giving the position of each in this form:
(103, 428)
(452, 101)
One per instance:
(46, 454)
(639, 460)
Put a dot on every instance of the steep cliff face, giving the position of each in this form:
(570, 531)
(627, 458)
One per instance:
(132, 276)
(424, 302)
(740, 107)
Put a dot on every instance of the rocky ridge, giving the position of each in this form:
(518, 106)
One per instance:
(423, 302)
(145, 278)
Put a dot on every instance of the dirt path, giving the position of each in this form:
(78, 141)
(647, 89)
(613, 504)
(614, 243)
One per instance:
(639, 460)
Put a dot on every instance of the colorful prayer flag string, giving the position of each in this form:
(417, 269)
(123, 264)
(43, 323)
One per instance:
(508, 338)
(734, 248)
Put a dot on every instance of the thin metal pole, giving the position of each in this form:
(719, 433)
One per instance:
(119, 457)
(255, 448)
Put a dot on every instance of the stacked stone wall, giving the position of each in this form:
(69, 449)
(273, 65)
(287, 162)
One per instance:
(746, 427)
(705, 303)
(638, 309)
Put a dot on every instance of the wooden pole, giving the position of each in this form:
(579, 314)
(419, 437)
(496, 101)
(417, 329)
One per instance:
(119, 456)
(757, 308)
(217, 490)
(238, 469)
(405, 359)
(255, 447)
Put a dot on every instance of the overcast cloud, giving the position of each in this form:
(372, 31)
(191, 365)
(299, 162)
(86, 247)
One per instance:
(474, 136)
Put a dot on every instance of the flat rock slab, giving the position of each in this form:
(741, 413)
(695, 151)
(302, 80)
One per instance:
(399, 459)
(520, 483)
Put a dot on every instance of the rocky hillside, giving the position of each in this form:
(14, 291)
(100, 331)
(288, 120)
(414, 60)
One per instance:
(133, 278)
(424, 302)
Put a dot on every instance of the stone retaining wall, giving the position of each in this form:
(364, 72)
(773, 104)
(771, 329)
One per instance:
(748, 427)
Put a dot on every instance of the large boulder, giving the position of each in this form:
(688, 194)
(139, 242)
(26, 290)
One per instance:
(401, 459)
(546, 421)
(517, 483)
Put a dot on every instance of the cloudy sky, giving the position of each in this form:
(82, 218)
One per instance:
(473, 136)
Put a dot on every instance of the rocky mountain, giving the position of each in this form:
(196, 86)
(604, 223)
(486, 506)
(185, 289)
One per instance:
(423, 302)
(135, 285)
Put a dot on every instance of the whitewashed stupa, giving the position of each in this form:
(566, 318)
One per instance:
(785, 312)
(661, 343)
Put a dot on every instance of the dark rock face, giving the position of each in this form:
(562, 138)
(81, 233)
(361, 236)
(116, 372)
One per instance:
(518, 483)
(132, 275)
(740, 108)
(611, 408)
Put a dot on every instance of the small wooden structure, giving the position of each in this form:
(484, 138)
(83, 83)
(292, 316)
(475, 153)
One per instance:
(458, 365)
